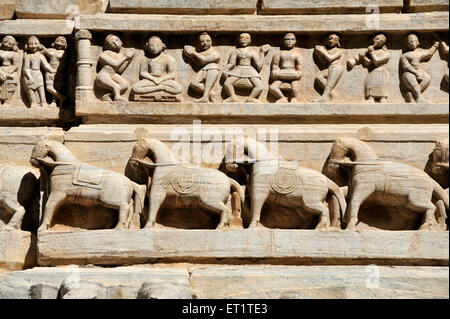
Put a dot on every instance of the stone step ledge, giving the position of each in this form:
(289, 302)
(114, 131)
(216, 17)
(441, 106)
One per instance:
(117, 247)
(388, 22)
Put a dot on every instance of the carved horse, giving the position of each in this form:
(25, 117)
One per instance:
(19, 188)
(287, 184)
(391, 183)
(79, 183)
(181, 185)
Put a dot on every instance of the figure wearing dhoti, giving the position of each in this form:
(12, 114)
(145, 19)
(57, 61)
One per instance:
(9, 64)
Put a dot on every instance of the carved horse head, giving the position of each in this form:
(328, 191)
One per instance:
(350, 148)
(48, 149)
(440, 160)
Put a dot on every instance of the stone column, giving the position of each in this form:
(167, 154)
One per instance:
(84, 88)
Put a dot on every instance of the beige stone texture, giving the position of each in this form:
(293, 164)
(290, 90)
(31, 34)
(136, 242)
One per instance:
(21, 27)
(7, 9)
(316, 282)
(426, 5)
(17, 250)
(184, 6)
(328, 6)
(437, 21)
(57, 9)
(117, 247)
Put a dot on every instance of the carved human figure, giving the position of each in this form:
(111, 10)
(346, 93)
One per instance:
(286, 70)
(113, 62)
(157, 72)
(376, 59)
(328, 78)
(9, 64)
(19, 188)
(34, 61)
(414, 77)
(444, 49)
(56, 57)
(207, 58)
(244, 64)
(389, 183)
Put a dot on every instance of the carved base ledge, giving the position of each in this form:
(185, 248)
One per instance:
(116, 247)
(17, 250)
(433, 21)
(233, 281)
(38, 27)
(30, 115)
(169, 112)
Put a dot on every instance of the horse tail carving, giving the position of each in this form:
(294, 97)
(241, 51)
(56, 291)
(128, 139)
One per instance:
(138, 200)
(336, 191)
(442, 196)
(237, 188)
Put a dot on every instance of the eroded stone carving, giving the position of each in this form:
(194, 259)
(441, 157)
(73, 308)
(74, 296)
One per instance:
(392, 183)
(208, 59)
(328, 78)
(286, 71)
(182, 185)
(75, 182)
(33, 80)
(287, 184)
(243, 69)
(444, 49)
(56, 56)
(376, 59)
(157, 75)
(19, 188)
(113, 62)
(440, 160)
(9, 64)
(414, 77)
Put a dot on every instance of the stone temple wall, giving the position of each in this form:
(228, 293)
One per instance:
(224, 149)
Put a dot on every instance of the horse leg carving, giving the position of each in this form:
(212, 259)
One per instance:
(18, 212)
(124, 210)
(157, 197)
(225, 213)
(320, 208)
(360, 193)
(54, 200)
(258, 200)
(335, 213)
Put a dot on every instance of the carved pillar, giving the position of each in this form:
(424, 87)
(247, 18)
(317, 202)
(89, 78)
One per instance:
(84, 88)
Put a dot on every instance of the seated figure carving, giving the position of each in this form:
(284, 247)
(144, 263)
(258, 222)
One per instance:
(415, 78)
(208, 58)
(244, 64)
(9, 64)
(389, 183)
(286, 70)
(157, 75)
(113, 62)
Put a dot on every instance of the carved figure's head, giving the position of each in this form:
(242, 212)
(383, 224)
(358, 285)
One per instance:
(245, 39)
(412, 41)
(204, 41)
(338, 153)
(33, 44)
(379, 40)
(155, 45)
(60, 43)
(113, 43)
(9, 44)
(333, 40)
(289, 40)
